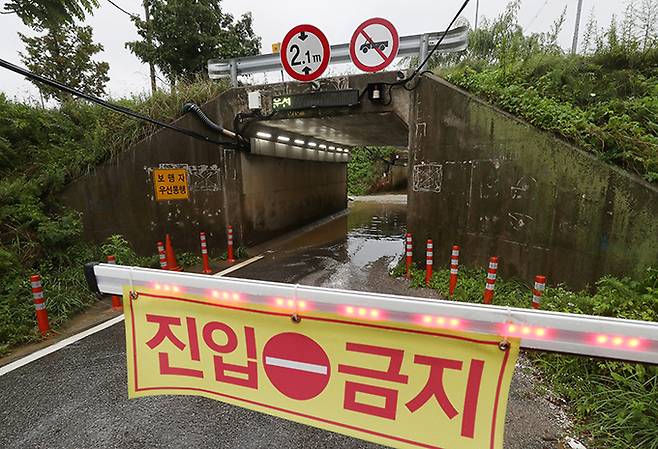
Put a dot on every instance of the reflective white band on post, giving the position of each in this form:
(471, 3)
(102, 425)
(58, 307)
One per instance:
(491, 276)
(39, 305)
(455, 254)
(493, 266)
(429, 262)
(490, 286)
(36, 284)
(454, 271)
(591, 336)
(37, 295)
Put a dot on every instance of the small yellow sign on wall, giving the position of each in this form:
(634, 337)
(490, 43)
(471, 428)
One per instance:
(170, 184)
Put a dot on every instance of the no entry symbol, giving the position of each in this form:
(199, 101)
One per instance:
(305, 53)
(374, 45)
(296, 365)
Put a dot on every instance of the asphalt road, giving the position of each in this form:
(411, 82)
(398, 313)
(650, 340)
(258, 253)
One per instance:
(77, 397)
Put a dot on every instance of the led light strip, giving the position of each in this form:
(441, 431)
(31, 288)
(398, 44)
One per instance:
(612, 338)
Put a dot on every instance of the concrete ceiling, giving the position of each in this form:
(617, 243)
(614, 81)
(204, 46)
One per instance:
(374, 129)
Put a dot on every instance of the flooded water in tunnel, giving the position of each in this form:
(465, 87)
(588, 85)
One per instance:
(352, 252)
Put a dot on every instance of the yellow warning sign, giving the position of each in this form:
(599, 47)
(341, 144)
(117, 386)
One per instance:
(170, 184)
(400, 385)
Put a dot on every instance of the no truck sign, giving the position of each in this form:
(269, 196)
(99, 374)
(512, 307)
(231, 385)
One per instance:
(305, 53)
(374, 45)
(400, 385)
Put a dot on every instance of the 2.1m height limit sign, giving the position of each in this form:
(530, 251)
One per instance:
(305, 53)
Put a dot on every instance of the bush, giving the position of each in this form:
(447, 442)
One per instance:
(614, 402)
(41, 151)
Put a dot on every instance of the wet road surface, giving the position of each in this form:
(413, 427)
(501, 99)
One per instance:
(77, 397)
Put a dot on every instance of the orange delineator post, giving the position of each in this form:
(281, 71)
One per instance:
(162, 256)
(230, 257)
(409, 254)
(40, 304)
(454, 269)
(172, 265)
(429, 256)
(491, 280)
(204, 253)
(538, 291)
(116, 300)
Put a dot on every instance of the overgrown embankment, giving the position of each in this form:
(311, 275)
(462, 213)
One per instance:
(604, 100)
(614, 402)
(366, 168)
(41, 150)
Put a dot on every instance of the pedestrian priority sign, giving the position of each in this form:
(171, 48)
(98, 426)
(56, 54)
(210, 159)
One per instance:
(403, 386)
(170, 184)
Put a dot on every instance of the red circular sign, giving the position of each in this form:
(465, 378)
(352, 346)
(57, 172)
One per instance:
(305, 53)
(374, 45)
(296, 365)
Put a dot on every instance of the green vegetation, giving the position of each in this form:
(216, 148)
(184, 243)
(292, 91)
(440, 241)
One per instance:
(181, 36)
(614, 402)
(604, 100)
(366, 167)
(41, 150)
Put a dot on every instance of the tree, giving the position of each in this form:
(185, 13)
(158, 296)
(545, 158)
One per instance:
(184, 34)
(64, 53)
(648, 18)
(39, 14)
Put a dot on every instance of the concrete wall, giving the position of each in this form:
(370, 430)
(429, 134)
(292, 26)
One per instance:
(497, 186)
(282, 194)
(259, 196)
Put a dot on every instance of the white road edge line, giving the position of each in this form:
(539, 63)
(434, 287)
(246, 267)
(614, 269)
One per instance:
(238, 266)
(59, 345)
(301, 366)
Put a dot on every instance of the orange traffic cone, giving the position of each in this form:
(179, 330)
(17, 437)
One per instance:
(171, 256)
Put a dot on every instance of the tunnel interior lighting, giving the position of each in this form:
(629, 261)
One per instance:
(299, 142)
(332, 148)
(283, 139)
(264, 135)
(312, 144)
(323, 146)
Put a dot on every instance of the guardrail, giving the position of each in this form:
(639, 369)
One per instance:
(414, 45)
(595, 336)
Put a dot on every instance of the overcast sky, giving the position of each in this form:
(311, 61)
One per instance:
(273, 19)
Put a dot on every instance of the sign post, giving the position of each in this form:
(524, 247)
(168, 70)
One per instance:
(374, 45)
(305, 53)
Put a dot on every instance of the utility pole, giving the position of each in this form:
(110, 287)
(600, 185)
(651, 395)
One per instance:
(147, 14)
(574, 45)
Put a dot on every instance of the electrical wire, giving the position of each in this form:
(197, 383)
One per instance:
(119, 109)
(132, 16)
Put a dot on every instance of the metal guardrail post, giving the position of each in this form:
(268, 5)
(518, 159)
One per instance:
(423, 50)
(234, 72)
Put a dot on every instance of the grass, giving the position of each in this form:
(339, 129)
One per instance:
(613, 403)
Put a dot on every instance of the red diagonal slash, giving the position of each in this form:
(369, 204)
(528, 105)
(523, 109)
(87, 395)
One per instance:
(369, 39)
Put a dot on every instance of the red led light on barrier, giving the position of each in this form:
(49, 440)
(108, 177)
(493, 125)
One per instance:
(167, 288)
(362, 312)
(521, 330)
(291, 304)
(439, 321)
(225, 296)
(616, 341)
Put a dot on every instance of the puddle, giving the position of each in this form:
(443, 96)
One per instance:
(339, 254)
